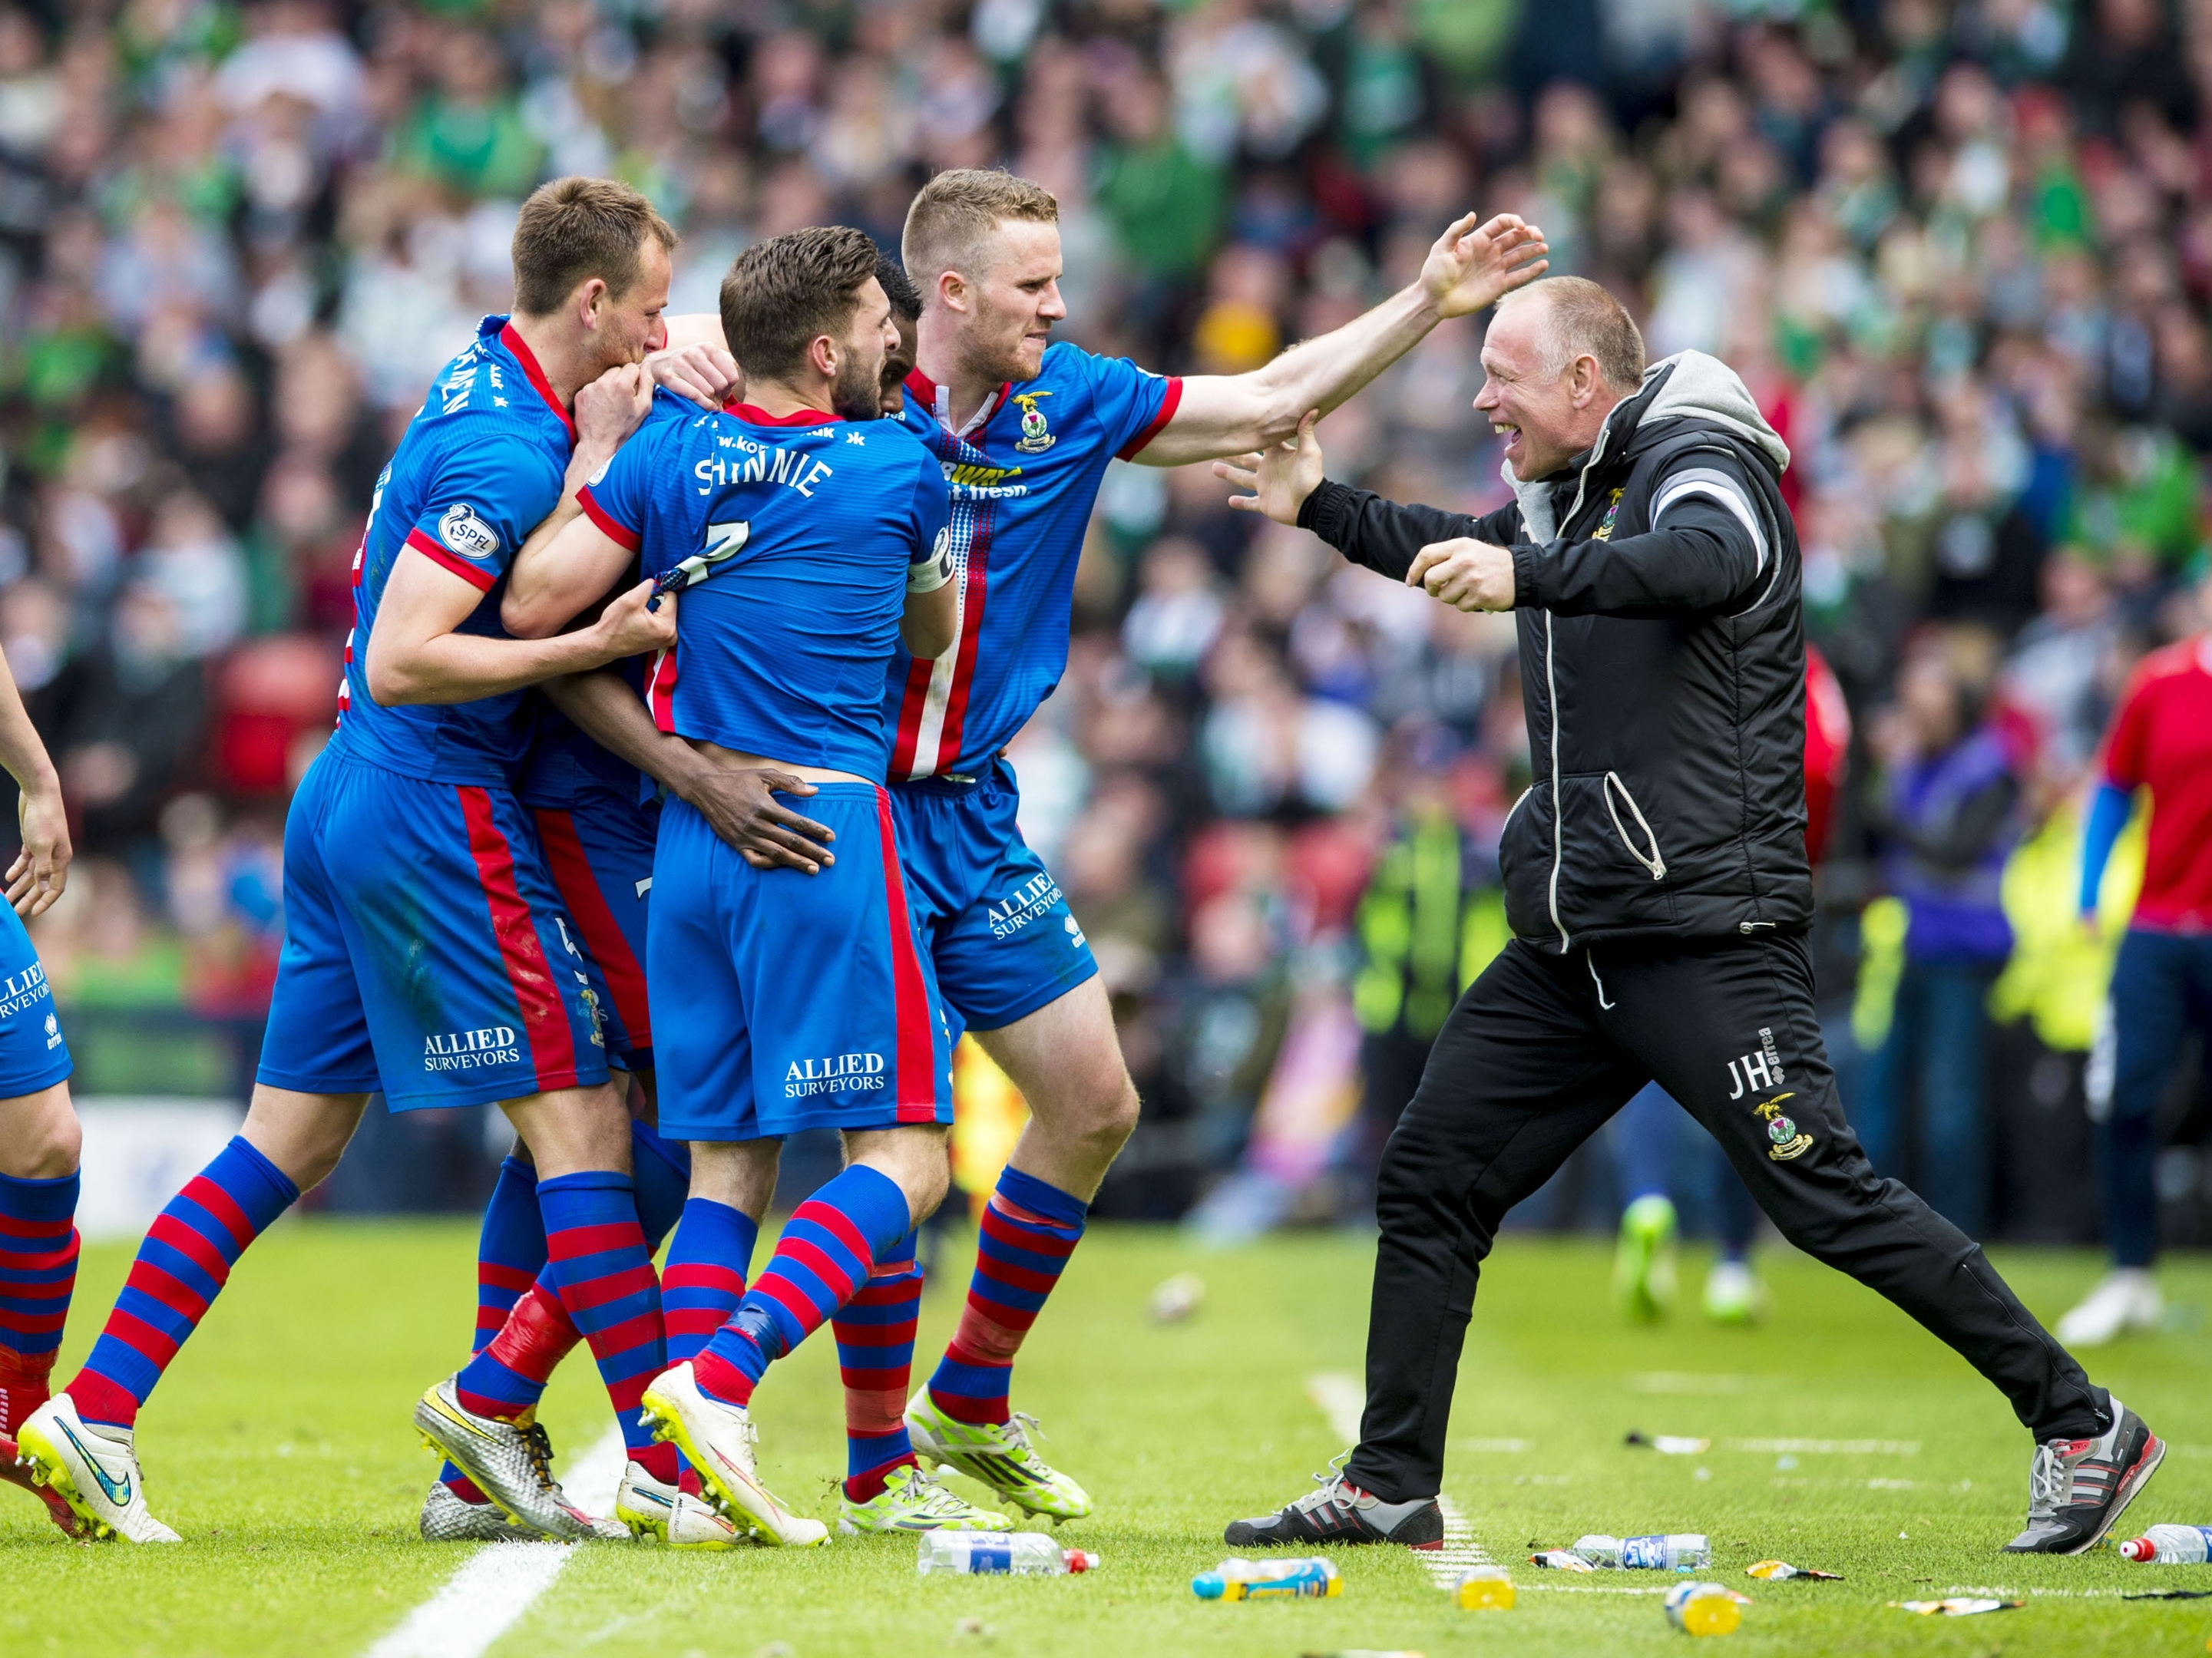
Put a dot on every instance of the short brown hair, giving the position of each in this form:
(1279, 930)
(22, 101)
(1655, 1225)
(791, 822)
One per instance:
(785, 292)
(956, 211)
(575, 228)
(1582, 317)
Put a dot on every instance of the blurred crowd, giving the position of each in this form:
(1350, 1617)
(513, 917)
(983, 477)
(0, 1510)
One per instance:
(1961, 252)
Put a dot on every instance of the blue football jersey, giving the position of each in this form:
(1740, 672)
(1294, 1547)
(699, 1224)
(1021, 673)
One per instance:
(810, 523)
(1025, 476)
(480, 465)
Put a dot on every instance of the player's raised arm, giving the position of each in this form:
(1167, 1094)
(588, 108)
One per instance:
(35, 879)
(1469, 269)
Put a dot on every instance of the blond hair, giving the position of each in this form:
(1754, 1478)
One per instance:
(957, 213)
(1581, 319)
(575, 228)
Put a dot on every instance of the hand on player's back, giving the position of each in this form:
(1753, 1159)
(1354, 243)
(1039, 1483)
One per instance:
(1280, 477)
(741, 807)
(628, 628)
(1469, 269)
(610, 408)
(705, 374)
(40, 870)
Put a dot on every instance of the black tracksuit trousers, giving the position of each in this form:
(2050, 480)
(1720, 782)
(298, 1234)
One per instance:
(1543, 1048)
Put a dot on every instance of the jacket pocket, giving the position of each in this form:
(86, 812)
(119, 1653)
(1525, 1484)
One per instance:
(1616, 795)
(1612, 871)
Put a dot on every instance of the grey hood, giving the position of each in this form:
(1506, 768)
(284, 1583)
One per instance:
(1689, 385)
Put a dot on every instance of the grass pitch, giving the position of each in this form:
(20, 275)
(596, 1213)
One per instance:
(280, 1448)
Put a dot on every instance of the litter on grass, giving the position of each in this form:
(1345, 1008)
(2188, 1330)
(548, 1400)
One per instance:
(1560, 1560)
(1956, 1605)
(1705, 1608)
(1177, 1298)
(1669, 1444)
(1774, 1572)
(1484, 1589)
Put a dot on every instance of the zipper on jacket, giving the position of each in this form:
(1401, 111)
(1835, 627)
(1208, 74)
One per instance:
(1656, 863)
(1559, 839)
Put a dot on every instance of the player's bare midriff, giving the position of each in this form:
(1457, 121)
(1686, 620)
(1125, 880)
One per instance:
(737, 760)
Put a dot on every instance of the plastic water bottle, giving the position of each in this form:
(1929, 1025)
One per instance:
(1022, 1553)
(1674, 1551)
(1306, 1578)
(2171, 1545)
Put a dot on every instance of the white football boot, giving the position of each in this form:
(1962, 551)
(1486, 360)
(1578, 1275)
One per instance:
(719, 1440)
(654, 1512)
(94, 1467)
(2127, 1299)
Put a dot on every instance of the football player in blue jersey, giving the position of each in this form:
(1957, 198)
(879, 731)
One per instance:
(810, 539)
(427, 953)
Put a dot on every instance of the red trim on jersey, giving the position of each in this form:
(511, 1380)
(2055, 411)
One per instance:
(523, 355)
(661, 689)
(587, 905)
(753, 415)
(545, 1014)
(1168, 399)
(926, 388)
(621, 534)
(922, 386)
(447, 559)
(912, 702)
(971, 635)
(916, 1084)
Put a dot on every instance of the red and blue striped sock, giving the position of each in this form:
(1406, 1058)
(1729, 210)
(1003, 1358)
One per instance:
(38, 1270)
(598, 1260)
(181, 1267)
(510, 1253)
(703, 1278)
(510, 1248)
(510, 1371)
(1029, 1231)
(875, 1360)
(824, 1255)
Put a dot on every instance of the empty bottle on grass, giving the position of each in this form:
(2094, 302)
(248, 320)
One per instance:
(1022, 1553)
(1685, 1551)
(1310, 1577)
(2170, 1545)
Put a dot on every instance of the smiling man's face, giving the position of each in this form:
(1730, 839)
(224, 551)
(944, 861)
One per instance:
(1529, 404)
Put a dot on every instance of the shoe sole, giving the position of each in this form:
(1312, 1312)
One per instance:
(438, 1434)
(668, 1427)
(15, 1469)
(49, 1468)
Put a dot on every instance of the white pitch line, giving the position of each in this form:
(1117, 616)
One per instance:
(1341, 1399)
(496, 1585)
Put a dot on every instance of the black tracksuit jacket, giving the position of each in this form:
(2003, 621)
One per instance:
(1662, 669)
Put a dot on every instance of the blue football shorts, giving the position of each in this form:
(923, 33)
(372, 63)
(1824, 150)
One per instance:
(789, 1000)
(426, 950)
(32, 1055)
(598, 848)
(997, 927)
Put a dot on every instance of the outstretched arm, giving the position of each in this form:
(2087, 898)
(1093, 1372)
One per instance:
(35, 879)
(1230, 414)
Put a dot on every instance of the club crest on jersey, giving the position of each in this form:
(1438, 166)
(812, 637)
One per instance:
(468, 535)
(1604, 531)
(1034, 440)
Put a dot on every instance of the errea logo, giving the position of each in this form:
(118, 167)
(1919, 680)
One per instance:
(468, 535)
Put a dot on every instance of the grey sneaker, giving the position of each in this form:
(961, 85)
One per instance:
(448, 1519)
(511, 1462)
(2076, 1488)
(1339, 1512)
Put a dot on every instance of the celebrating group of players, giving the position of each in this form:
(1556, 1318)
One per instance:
(726, 621)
